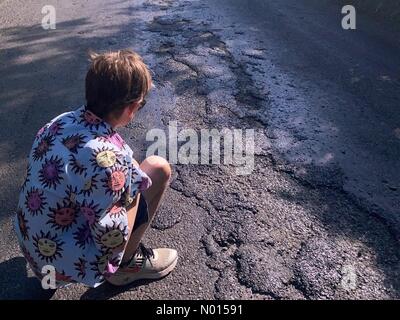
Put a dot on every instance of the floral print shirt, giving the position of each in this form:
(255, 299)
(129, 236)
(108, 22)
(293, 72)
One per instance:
(72, 206)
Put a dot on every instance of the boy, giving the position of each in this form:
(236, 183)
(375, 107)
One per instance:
(86, 203)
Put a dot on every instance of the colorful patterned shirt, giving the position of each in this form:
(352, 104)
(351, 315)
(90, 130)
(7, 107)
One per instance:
(72, 206)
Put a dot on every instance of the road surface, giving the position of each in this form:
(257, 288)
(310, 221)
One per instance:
(318, 216)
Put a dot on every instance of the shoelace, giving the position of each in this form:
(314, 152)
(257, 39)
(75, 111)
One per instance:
(145, 253)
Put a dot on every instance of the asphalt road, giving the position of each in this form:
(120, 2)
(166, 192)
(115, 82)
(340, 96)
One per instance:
(318, 216)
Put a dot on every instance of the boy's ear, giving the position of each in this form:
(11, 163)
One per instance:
(132, 107)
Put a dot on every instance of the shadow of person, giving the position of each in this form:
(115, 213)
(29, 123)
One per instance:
(16, 285)
(107, 290)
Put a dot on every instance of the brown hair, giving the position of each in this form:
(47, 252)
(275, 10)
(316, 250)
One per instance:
(114, 80)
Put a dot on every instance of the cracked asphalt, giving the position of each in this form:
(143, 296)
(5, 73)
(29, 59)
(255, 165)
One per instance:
(318, 216)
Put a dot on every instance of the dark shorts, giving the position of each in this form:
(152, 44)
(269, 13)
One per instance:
(142, 215)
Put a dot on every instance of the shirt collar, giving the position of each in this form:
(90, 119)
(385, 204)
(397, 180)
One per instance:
(92, 122)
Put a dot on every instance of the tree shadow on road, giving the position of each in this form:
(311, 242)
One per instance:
(17, 285)
(43, 76)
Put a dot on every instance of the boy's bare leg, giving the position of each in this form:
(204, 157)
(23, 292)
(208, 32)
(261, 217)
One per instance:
(161, 261)
(159, 170)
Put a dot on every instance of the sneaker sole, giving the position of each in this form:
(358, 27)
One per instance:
(128, 278)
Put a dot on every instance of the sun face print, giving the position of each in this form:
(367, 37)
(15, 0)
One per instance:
(89, 186)
(74, 142)
(115, 182)
(134, 173)
(50, 174)
(40, 132)
(80, 266)
(43, 147)
(27, 177)
(100, 264)
(76, 166)
(63, 216)
(117, 210)
(112, 237)
(104, 157)
(102, 136)
(72, 118)
(48, 247)
(22, 223)
(83, 236)
(90, 120)
(103, 263)
(70, 195)
(90, 211)
(35, 201)
(56, 127)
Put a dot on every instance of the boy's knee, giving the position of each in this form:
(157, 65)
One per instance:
(157, 168)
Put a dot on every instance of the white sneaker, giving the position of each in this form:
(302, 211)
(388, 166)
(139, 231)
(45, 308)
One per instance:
(147, 263)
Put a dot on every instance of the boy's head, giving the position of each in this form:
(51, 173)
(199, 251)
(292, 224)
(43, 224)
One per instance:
(116, 84)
